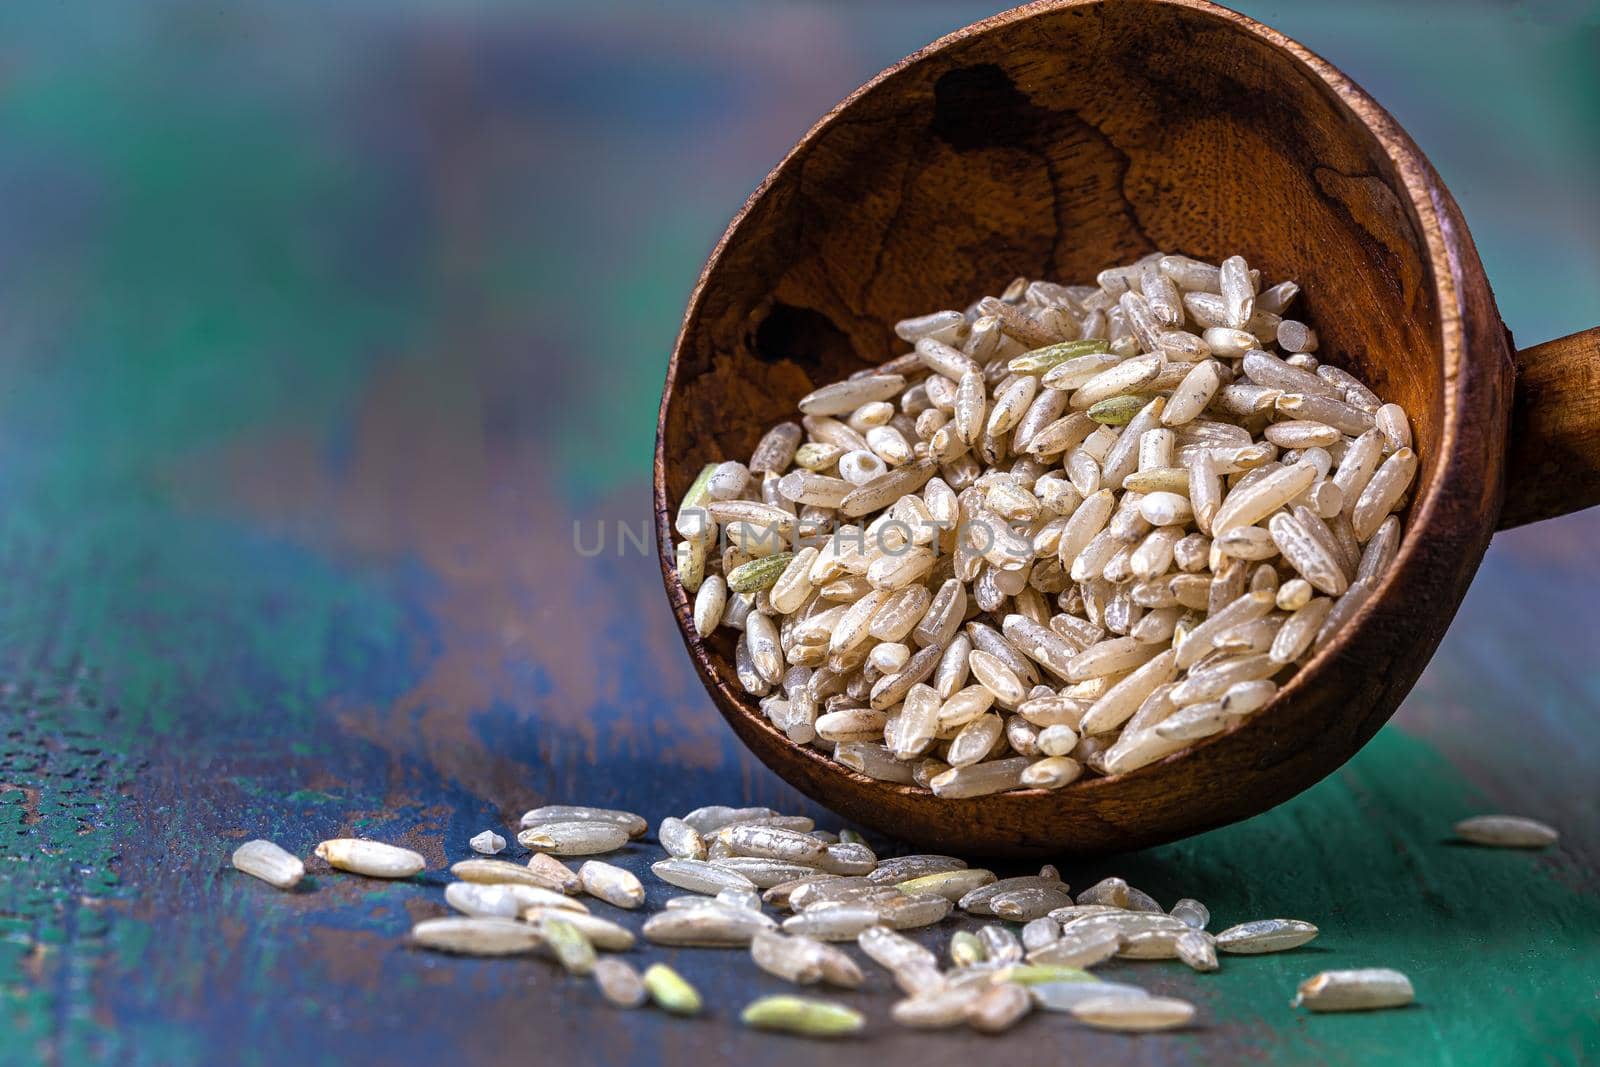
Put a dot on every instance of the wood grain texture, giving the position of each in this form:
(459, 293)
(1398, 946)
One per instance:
(1554, 462)
(1051, 141)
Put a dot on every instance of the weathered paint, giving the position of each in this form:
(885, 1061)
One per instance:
(302, 368)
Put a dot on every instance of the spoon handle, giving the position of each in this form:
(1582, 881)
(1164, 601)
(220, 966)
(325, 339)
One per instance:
(1553, 458)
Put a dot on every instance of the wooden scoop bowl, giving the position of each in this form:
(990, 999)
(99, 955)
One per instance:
(1065, 136)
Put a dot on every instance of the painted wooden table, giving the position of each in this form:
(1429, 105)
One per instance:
(328, 352)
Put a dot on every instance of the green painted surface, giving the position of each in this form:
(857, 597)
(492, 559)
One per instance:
(308, 319)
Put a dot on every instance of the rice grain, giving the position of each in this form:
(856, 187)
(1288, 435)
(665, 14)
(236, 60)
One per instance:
(998, 1009)
(803, 1016)
(619, 983)
(1134, 1014)
(573, 838)
(476, 936)
(1265, 935)
(371, 858)
(1506, 831)
(1366, 989)
(270, 863)
(670, 992)
(611, 884)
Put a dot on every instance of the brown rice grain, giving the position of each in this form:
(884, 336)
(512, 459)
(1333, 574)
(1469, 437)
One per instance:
(1366, 989)
(371, 858)
(1134, 1014)
(1506, 831)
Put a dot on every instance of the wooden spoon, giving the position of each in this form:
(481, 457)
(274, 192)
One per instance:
(1065, 136)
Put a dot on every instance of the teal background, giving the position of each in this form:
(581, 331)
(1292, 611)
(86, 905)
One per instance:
(320, 327)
